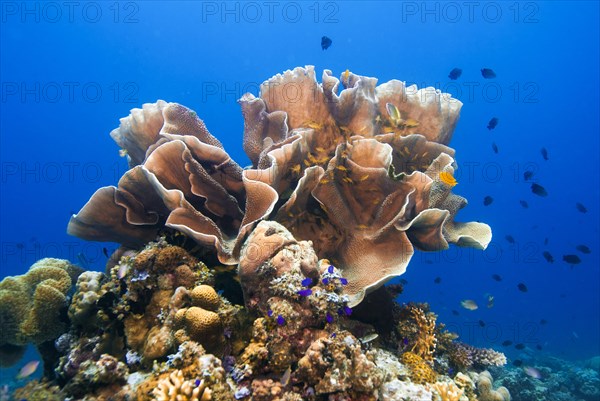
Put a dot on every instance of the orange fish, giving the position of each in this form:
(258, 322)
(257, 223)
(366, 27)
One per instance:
(448, 179)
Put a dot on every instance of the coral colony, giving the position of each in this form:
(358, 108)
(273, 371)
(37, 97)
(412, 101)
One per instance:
(264, 283)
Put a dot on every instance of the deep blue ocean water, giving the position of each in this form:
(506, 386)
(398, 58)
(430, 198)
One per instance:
(69, 71)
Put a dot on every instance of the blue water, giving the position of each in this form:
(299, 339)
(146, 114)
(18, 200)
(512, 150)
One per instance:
(69, 72)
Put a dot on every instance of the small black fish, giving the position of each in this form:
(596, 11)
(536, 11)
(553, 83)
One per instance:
(549, 258)
(539, 190)
(494, 147)
(105, 252)
(538, 347)
(522, 287)
(325, 43)
(20, 245)
(546, 241)
(520, 346)
(543, 321)
(492, 124)
(583, 249)
(487, 200)
(527, 175)
(497, 277)
(455, 73)
(437, 280)
(403, 281)
(544, 153)
(517, 362)
(580, 207)
(488, 73)
(510, 239)
(481, 323)
(524, 204)
(572, 259)
(506, 343)
(455, 312)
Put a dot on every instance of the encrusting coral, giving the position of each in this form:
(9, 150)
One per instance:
(346, 171)
(33, 306)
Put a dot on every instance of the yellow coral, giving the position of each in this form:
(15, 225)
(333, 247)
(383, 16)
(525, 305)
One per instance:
(200, 322)
(448, 391)
(31, 305)
(426, 341)
(420, 371)
(176, 388)
(204, 296)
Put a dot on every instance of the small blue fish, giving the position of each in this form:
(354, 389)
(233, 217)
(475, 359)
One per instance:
(329, 318)
(270, 313)
(306, 282)
(304, 293)
(280, 320)
(330, 269)
(344, 281)
(325, 281)
(347, 310)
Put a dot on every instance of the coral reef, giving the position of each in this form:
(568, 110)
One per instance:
(33, 306)
(358, 174)
(248, 284)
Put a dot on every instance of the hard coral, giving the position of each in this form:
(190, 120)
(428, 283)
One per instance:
(175, 387)
(33, 305)
(486, 391)
(464, 356)
(447, 391)
(356, 172)
(420, 371)
(338, 364)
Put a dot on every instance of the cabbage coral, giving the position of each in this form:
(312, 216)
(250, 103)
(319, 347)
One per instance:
(363, 171)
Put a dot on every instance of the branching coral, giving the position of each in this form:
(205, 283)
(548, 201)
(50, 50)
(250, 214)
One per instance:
(356, 172)
(420, 371)
(417, 328)
(447, 391)
(33, 306)
(465, 356)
